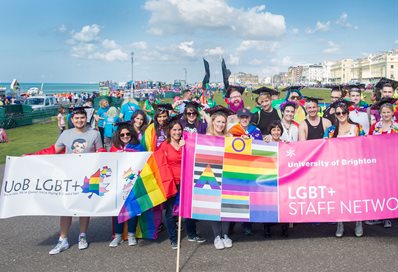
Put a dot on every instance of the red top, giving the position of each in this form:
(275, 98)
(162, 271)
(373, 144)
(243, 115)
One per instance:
(173, 158)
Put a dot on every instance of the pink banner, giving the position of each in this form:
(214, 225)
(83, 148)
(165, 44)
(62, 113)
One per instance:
(341, 179)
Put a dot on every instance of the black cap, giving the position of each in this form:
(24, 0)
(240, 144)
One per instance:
(174, 118)
(123, 124)
(220, 108)
(234, 88)
(244, 112)
(312, 99)
(342, 102)
(163, 106)
(293, 88)
(265, 90)
(193, 104)
(385, 100)
(384, 81)
(355, 88)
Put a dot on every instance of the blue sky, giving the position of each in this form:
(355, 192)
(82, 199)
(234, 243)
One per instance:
(89, 41)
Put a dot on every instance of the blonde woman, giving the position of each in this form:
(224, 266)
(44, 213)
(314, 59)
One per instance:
(110, 120)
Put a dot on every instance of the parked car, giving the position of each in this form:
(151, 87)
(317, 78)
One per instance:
(41, 102)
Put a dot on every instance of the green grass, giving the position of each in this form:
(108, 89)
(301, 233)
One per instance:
(32, 138)
(28, 139)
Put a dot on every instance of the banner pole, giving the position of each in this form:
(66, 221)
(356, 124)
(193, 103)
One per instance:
(178, 244)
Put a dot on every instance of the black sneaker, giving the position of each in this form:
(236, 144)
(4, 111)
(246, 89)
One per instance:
(197, 239)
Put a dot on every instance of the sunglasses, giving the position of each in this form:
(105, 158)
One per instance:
(338, 113)
(295, 97)
(124, 135)
(191, 113)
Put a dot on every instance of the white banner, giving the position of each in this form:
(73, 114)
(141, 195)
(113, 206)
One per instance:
(94, 184)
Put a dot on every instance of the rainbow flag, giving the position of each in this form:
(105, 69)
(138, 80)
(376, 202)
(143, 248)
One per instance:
(147, 192)
(229, 179)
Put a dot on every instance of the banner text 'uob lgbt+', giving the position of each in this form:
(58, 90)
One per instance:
(326, 180)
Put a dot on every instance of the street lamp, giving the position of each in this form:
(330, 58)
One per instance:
(132, 74)
(186, 71)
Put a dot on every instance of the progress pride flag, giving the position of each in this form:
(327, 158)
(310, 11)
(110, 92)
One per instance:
(339, 179)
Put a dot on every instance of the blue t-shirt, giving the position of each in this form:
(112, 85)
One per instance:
(110, 126)
(128, 110)
(101, 113)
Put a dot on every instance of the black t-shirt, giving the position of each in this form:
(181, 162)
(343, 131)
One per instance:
(266, 118)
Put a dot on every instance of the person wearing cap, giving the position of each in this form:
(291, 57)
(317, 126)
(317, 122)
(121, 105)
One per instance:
(129, 106)
(344, 127)
(267, 114)
(80, 139)
(155, 134)
(359, 114)
(125, 140)
(293, 93)
(290, 127)
(313, 127)
(386, 89)
(218, 127)
(191, 121)
(335, 94)
(385, 125)
(244, 128)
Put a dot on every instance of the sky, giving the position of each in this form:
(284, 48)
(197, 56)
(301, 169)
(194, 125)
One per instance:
(75, 41)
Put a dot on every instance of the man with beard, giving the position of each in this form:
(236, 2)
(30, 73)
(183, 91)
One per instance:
(235, 103)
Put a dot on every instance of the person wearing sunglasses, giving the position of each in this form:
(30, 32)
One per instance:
(79, 139)
(191, 121)
(125, 140)
(344, 127)
(293, 93)
(156, 133)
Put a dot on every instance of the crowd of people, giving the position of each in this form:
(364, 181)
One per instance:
(159, 128)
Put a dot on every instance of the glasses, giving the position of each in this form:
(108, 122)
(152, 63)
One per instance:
(295, 97)
(124, 135)
(338, 113)
(191, 113)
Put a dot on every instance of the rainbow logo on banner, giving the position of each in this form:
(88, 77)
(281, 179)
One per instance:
(96, 184)
(230, 179)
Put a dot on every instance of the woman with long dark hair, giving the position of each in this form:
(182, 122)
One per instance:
(191, 121)
(140, 123)
(344, 127)
(125, 140)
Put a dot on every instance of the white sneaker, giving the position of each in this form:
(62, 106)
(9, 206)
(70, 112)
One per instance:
(340, 230)
(82, 242)
(358, 229)
(61, 246)
(218, 243)
(116, 241)
(132, 240)
(387, 224)
(227, 241)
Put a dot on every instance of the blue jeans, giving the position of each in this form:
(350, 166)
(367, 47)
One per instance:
(171, 223)
(131, 225)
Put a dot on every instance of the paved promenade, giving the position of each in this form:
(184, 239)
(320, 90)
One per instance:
(25, 242)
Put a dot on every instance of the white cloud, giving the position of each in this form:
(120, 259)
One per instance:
(187, 48)
(142, 45)
(343, 21)
(232, 60)
(256, 62)
(172, 16)
(89, 33)
(109, 44)
(258, 45)
(62, 28)
(88, 44)
(295, 31)
(217, 51)
(319, 27)
(333, 48)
